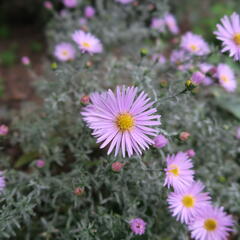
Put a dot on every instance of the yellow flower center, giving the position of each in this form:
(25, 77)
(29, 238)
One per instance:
(65, 53)
(85, 44)
(194, 47)
(174, 170)
(188, 201)
(224, 78)
(125, 121)
(236, 38)
(210, 224)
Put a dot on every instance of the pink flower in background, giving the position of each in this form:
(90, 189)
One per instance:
(87, 42)
(48, 5)
(191, 153)
(206, 68)
(124, 1)
(158, 24)
(229, 33)
(122, 120)
(194, 44)
(238, 133)
(40, 163)
(70, 3)
(197, 77)
(171, 23)
(187, 204)
(3, 130)
(89, 12)
(226, 77)
(181, 59)
(117, 166)
(25, 60)
(160, 141)
(64, 52)
(158, 57)
(211, 224)
(179, 173)
(138, 226)
(2, 182)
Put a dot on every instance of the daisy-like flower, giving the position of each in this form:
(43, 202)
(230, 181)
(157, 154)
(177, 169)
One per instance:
(64, 52)
(2, 182)
(70, 3)
(171, 23)
(124, 1)
(229, 34)
(226, 77)
(187, 204)
(138, 226)
(123, 119)
(87, 42)
(194, 44)
(211, 224)
(158, 24)
(179, 173)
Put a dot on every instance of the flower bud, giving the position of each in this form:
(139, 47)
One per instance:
(54, 66)
(117, 166)
(189, 85)
(78, 191)
(184, 136)
(160, 141)
(85, 99)
(25, 61)
(40, 163)
(163, 83)
(89, 64)
(143, 52)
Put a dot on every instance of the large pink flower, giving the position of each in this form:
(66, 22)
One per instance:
(123, 120)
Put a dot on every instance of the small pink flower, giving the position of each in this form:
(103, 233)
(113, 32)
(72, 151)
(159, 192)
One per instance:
(138, 226)
(3, 130)
(89, 12)
(197, 77)
(171, 23)
(184, 136)
(64, 52)
(117, 166)
(25, 60)
(2, 181)
(40, 163)
(160, 141)
(85, 99)
(70, 3)
(160, 58)
(48, 5)
(158, 24)
(191, 153)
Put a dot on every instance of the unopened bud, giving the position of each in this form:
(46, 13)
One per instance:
(79, 191)
(40, 163)
(85, 99)
(143, 52)
(184, 136)
(54, 66)
(191, 153)
(163, 83)
(189, 85)
(89, 64)
(117, 166)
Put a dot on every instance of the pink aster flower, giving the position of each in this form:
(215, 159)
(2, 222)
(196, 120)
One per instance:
(158, 24)
(181, 59)
(48, 5)
(229, 34)
(138, 226)
(87, 42)
(171, 23)
(179, 174)
(191, 153)
(70, 3)
(226, 77)
(2, 182)
(197, 77)
(187, 204)
(206, 68)
(160, 141)
(238, 133)
(25, 60)
(64, 52)
(124, 1)
(194, 44)
(211, 224)
(123, 119)
(3, 130)
(89, 11)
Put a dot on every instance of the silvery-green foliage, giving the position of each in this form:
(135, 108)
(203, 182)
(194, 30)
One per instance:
(40, 203)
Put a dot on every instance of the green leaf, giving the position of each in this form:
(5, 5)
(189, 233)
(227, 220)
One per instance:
(25, 159)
